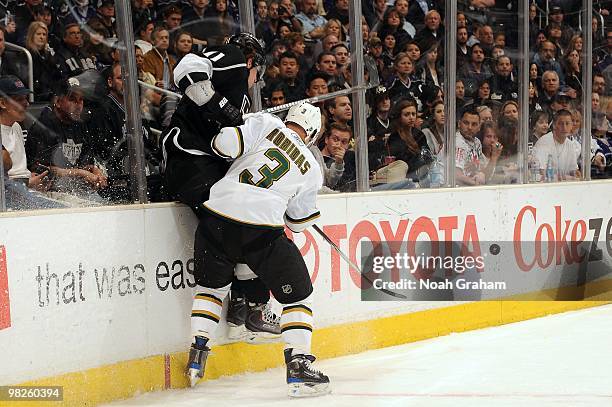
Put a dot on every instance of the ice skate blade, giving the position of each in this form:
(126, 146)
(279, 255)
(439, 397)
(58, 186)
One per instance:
(308, 389)
(236, 332)
(194, 377)
(258, 338)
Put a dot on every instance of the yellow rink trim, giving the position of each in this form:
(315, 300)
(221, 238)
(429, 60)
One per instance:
(125, 379)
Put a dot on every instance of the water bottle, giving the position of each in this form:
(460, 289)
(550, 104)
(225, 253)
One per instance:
(550, 169)
(534, 169)
(436, 174)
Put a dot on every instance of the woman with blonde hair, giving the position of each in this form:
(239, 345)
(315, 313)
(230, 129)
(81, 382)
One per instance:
(334, 26)
(45, 69)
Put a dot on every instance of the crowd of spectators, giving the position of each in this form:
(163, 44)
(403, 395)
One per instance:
(77, 136)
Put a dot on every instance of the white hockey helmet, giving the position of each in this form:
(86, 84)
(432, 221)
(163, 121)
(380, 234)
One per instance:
(307, 117)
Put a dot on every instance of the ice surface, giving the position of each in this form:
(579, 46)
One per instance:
(560, 360)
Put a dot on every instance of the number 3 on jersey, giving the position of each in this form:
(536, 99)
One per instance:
(269, 175)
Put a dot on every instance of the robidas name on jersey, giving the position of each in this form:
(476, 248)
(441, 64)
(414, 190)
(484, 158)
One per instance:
(293, 152)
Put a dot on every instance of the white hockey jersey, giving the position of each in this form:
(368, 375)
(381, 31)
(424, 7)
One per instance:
(274, 179)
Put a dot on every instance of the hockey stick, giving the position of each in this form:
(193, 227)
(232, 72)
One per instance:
(352, 264)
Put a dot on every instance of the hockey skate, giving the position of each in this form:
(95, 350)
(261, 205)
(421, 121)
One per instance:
(302, 379)
(236, 315)
(197, 360)
(262, 324)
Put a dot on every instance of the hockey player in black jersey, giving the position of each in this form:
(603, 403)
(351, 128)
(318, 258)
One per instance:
(216, 85)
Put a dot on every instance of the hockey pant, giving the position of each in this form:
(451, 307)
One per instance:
(220, 245)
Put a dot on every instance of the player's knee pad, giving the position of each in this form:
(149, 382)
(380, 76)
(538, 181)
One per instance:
(306, 302)
(244, 272)
(289, 294)
(220, 292)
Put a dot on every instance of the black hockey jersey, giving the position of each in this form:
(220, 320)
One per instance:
(190, 167)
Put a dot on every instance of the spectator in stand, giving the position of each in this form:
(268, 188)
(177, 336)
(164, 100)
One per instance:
(403, 84)
(539, 123)
(475, 72)
(407, 143)
(418, 10)
(222, 23)
(80, 11)
(402, 9)
(7, 63)
(183, 44)
(95, 46)
(105, 17)
(70, 58)
(313, 24)
(21, 183)
(339, 110)
(503, 85)
(510, 110)
(277, 92)
(428, 68)
(328, 42)
(317, 84)
(157, 61)
(566, 32)
(173, 16)
(334, 27)
(143, 10)
(432, 33)
(286, 12)
(460, 94)
(433, 129)
(62, 141)
(462, 48)
(550, 88)
(195, 21)
(378, 124)
(267, 29)
(283, 31)
(343, 57)
(484, 37)
(24, 15)
(375, 49)
(288, 73)
(393, 24)
(572, 70)
(326, 62)
(261, 11)
(295, 43)
(413, 51)
(485, 113)
(553, 34)
(339, 12)
(558, 149)
(469, 159)
(43, 61)
(149, 99)
(110, 142)
(336, 161)
(545, 59)
(484, 93)
(143, 33)
(380, 6)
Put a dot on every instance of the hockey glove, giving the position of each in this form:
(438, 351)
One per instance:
(200, 92)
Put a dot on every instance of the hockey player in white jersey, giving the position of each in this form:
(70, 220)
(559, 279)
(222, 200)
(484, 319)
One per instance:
(273, 182)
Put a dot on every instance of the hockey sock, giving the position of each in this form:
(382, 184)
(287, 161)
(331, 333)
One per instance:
(296, 326)
(206, 310)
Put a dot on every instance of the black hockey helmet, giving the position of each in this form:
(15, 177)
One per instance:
(251, 48)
